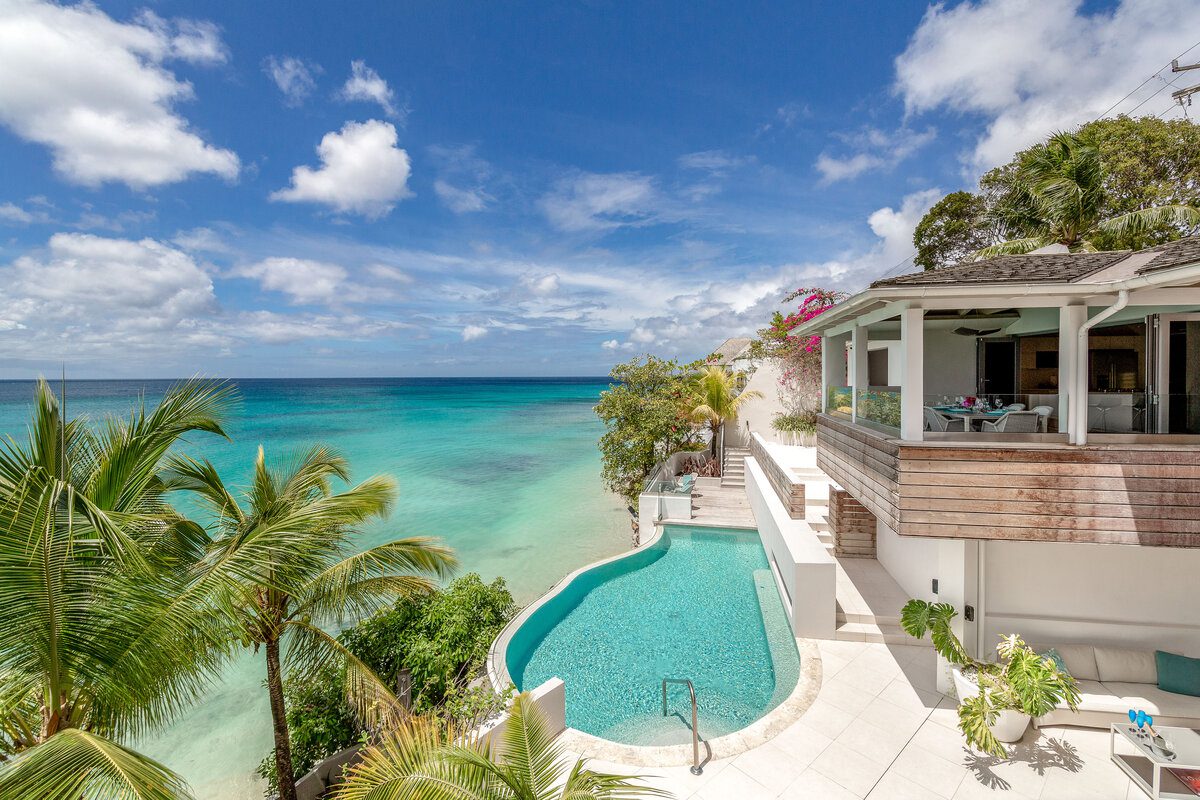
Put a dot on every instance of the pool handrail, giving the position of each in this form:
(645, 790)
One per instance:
(696, 769)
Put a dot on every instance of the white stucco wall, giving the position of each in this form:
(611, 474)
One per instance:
(758, 412)
(1105, 594)
(798, 558)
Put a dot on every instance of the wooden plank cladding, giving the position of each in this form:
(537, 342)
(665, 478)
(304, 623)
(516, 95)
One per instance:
(852, 525)
(790, 491)
(863, 462)
(1144, 494)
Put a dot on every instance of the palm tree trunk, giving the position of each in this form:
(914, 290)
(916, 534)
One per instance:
(283, 744)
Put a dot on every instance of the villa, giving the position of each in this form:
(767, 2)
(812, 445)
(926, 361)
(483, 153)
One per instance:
(1017, 437)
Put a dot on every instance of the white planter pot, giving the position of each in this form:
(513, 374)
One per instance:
(1009, 725)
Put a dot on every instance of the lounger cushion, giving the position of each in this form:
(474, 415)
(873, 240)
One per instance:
(1096, 696)
(1155, 701)
(1118, 664)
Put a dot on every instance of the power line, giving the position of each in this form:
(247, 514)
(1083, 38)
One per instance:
(1143, 83)
(1156, 94)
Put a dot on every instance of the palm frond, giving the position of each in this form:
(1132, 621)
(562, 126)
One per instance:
(310, 650)
(1148, 219)
(75, 764)
(1014, 247)
(532, 759)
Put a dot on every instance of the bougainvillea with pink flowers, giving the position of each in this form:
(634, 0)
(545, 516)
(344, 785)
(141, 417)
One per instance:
(799, 356)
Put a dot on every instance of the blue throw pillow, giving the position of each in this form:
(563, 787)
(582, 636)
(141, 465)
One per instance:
(1178, 674)
(1057, 658)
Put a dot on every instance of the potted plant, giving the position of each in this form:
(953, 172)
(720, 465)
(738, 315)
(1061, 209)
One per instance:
(995, 700)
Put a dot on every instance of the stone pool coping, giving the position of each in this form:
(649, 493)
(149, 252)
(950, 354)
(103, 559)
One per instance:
(757, 733)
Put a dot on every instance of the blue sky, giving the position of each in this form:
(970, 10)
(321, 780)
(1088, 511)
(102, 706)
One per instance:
(287, 189)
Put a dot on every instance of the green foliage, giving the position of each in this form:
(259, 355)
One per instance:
(431, 761)
(1022, 681)
(795, 423)
(1118, 183)
(952, 231)
(715, 397)
(645, 413)
(441, 637)
(104, 637)
(839, 399)
(880, 407)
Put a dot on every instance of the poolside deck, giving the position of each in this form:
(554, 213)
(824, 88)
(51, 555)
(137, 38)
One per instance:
(718, 506)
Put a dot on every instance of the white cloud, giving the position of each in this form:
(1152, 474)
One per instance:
(84, 288)
(305, 281)
(203, 240)
(1031, 67)
(878, 150)
(595, 202)
(20, 215)
(473, 332)
(362, 171)
(541, 284)
(717, 162)
(95, 92)
(461, 200)
(365, 85)
(295, 78)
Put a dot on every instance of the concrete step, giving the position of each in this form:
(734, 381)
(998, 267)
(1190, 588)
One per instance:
(872, 632)
(881, 620)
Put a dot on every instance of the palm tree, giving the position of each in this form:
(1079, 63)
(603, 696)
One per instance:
(423, 760)
(715, 398)
(1057, 197)
(103, 638)
(283, 562)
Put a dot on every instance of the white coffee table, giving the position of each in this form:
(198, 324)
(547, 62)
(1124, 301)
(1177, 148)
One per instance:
(1148, 769)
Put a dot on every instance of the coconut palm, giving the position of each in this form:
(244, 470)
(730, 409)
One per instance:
(423, 760)
(1057, 197)
(715, 398)
(283, 562)
(103, 638)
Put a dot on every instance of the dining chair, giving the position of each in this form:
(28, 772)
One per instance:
(1014, 422)
(1044, 413)
(941, 422)
(1015, 407)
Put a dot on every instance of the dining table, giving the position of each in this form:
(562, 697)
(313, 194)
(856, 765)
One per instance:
(971, 415)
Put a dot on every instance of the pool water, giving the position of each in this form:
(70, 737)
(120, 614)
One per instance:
(700, 603)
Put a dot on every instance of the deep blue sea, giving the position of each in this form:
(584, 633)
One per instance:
(506, 471)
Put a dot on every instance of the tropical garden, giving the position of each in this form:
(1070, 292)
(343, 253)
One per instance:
(119, 611)
(1112, 184)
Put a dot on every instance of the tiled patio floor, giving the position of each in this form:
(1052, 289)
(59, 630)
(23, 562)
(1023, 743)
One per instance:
(880, 730)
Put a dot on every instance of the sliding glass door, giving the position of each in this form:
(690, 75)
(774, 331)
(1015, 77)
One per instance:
(1175, 392)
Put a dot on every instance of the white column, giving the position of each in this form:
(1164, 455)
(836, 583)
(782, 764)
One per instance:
(858, 365)
(833, 363)
(824, 374)
(1070, 320)
(912, 372)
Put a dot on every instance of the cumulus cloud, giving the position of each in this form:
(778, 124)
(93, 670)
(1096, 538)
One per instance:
(1030, 67)
(877, 150)
(362, 171)
(96, 92)
(365, 85)
(294, 77)
(473, 332)
(305, 281)
(22, 215)
(596, 202)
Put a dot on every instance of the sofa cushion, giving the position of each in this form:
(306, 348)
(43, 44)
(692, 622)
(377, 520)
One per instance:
(1178, 674)
(1079, 660)
(1096, 696)
(1155, 701)
(1121, 665)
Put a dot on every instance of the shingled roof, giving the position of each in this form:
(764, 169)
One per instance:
(1031, 268)
(730, 349)
(1048, 267)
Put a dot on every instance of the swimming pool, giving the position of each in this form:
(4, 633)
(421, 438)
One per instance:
(699, 603)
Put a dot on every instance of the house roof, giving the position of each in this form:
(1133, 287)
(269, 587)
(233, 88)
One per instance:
(730, 349)
(1050, 267)
(1061, 274)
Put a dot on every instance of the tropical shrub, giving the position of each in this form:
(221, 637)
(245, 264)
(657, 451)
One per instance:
(1022, 681)
(441, 637)
(645, 411)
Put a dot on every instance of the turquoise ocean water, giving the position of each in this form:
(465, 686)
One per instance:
(506, 471)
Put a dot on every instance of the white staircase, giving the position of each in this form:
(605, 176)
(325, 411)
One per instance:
(733, 472)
